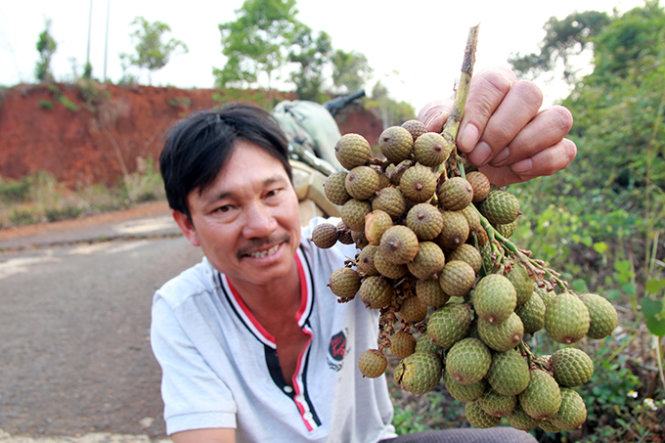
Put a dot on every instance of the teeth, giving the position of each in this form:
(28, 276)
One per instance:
(261, 254)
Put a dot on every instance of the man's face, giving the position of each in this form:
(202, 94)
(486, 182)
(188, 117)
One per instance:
(246, 222)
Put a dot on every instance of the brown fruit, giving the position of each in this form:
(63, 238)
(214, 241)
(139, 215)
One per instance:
(399, 244)
(480, 185)
(352, 150)
(455, 194)
(396, 143)
(325, 235)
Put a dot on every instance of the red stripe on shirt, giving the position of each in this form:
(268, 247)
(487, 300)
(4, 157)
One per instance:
(294, 380)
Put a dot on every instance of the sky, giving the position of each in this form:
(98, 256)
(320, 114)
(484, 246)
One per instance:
(414, 47)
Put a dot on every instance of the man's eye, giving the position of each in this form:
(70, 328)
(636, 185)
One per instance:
(224, 209)
(273, 192)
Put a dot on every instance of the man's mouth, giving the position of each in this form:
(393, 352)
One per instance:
(264, 248)
(261, 254)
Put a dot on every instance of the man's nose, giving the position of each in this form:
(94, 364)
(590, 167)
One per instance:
(259, 221)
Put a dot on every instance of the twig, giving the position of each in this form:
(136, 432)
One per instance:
(656, 342)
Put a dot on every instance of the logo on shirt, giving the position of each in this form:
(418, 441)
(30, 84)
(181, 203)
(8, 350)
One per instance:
(337, 350)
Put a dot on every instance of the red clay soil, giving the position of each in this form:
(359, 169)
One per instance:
(53, 128)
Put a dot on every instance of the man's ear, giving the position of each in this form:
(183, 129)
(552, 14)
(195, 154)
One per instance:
(186, 227)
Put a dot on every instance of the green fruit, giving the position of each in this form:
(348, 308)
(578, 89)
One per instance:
(572, 412)
(344, 283)
(523, 284)
(428, 261)
(502, 336)
(542, 398)
(480, 185)
(352, 150)
(391, 201)
(334, 188)
(602, 315)
(468, 254)
(372, 363)
(387, 268)
(477, 417)
(396, 143)
(431, 149)
(494, 298)
(532, 314)
(496, 404)
(399, 244)
(324, 235)
(365, 260)
(566, 318)
(546, 295)
(455, 230)
(412, 310)
(425, 221)
(509, 373)
(457, 278)
(449, 324)
(500, 207)
(455, 194)
(548, 426)
(507, 229)
(571, 367)
(376, 292)
(418, 183)
(353, 214)
(362, 182)
(472, 218)
(418, 373)
(430, 293)
(468, 361)
(376, 223)
(402, 344)
(425, 344)
(463, 392)
(520, 420)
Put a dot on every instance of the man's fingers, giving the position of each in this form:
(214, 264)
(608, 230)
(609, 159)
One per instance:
(486, 92)
(545, 130)
(547, 161)
(434, 115)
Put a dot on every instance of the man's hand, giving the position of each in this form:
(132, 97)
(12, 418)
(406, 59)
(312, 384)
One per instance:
(504, 132)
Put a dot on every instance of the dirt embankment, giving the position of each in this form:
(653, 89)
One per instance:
(93, 133)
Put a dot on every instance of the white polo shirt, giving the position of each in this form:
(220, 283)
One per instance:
(220, 366)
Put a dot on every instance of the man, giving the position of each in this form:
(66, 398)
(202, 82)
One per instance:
(252, 344)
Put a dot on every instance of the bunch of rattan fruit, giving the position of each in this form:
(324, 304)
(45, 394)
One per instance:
(456, 296)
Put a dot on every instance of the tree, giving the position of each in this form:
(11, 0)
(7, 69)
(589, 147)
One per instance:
(350, 70)
(153, 49)
(258, 41)
(310, 54)
(392, 112)
(46, 47)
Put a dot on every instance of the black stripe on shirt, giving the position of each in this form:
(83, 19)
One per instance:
(315, 416)
(233, 308)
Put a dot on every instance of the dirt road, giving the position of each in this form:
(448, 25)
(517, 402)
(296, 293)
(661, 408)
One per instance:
(74, 326)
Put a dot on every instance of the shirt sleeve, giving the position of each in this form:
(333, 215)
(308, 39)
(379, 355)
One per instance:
(194, 396)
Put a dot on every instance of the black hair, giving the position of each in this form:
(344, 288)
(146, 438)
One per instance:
(197, 148)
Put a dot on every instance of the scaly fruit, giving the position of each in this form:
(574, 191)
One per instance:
(334, 188)
(325, 235)
(548, 426)
(542, 398)
(523, 284)
(429, 260)
(431, 149)
(571, 367)
(418, 183)
(425, 221)
(402, 344)
(545, 295)
(455, 194)
(425, 344)
(494, 299)
(396, 143)
(502, 336)
(455, 230)
(449, 324)
(457, 278)
(359, 239)
(399, 244)
(509, 373)
(344, 283)
(418, 373)
(395, 172)
(352, 150)
(507, 229)
(388, 268)
(566, 318)
(572, 412)
(462, 392)
(480, 185)
(344, 234)
(500, 207)
(497, 405)
(415, 127)
(372, 363)
(468, 254)
(477, 417)
(365, 260)
(412, 310)
(376, 223)
(353, 214)
(376, 292)
(602, 315)
(362, 182)
(532, 314)
(430, 293)
(472, 217)
(520, 420)
(468, 361)
(391, 201)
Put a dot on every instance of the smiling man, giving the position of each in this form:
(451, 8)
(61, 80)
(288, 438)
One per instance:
(253, 345)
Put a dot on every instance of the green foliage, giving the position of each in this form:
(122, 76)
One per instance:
(258, 41)
(87, 71)
(68, 103)
(46, 104)
(310, 54)
(182, 102)
(14, 191)
(350, 70)
(391, 111)
(46, 46)
(152, 47)
(92, 93)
